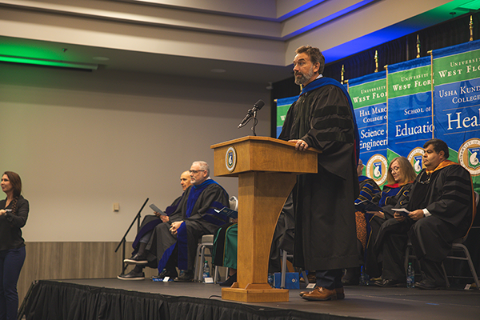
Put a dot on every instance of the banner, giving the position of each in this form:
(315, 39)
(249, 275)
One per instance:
(282, 108)
(410, 117)
(400, 124)
(369, 98)
(456, 73)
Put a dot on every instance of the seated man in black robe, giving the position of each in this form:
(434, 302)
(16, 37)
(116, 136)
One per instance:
(174, 243)
(139, 255)
(441, 206)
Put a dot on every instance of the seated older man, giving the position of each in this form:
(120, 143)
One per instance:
(140, 256)
(174, 242)
(441, 208)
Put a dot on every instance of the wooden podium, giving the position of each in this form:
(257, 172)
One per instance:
(266, 170)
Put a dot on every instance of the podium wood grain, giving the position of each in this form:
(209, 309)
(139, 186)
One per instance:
(266, 170)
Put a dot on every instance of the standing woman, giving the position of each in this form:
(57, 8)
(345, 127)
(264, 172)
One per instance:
(13, 216)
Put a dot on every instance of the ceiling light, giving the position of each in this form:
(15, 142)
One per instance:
(49, 63)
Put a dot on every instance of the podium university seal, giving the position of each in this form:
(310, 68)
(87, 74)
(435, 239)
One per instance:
(231, 159)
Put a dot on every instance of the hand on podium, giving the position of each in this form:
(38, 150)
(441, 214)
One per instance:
(300, 145)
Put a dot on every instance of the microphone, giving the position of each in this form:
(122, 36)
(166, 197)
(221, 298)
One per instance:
(257, 106)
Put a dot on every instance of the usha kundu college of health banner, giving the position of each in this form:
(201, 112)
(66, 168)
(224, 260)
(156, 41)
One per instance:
(456, 73)
(369, 98)
(410, 117)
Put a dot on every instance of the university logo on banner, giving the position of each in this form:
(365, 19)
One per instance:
(377, 167)
(416, 159)
(469, 154)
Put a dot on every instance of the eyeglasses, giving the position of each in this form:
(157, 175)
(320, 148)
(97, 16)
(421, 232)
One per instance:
(395, 169)
(195, 171)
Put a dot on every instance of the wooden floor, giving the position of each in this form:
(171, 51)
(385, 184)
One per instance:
(360, 302)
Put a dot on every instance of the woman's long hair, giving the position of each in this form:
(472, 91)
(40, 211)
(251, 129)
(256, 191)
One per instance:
(407, 171)
(16, 183)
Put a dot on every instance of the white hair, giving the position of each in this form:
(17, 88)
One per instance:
(203, 166)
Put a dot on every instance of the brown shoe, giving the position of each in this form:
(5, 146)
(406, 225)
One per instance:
(320, 294)
(340, 293)
(303, 292)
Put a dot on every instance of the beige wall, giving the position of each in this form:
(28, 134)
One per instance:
(82, 141)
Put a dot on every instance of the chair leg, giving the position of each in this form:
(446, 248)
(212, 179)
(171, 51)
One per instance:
(447, 283)
(472, 267)
(197, 263)
(215, 271)
(407, 255)
(284, 268)
(202, 261)
(304, 275)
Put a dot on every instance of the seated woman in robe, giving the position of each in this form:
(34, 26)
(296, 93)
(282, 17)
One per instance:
(400, 177)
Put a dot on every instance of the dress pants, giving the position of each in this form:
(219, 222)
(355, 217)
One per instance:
(330, 279)
(11, 262)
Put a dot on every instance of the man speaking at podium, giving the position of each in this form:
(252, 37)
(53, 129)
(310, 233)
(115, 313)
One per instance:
(323, 118)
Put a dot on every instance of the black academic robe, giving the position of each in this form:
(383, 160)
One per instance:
(151, 221)
(448, 196)
(203, 220)
(325, 234)
(373, 266)
(450, 200)
(283, 236)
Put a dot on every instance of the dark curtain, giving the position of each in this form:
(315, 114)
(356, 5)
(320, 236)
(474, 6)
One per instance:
(55, 300)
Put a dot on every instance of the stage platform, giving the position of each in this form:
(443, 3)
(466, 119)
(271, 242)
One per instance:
(117, 299)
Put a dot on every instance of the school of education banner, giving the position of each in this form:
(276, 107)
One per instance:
(410, 117)
(369, 98)
(456, 73)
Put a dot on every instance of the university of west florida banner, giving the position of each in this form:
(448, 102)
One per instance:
(456, 73)
(369, 98)
(282, 108)
(410, 117)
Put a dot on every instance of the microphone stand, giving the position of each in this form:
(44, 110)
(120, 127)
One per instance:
(255, 121)
(124, 239)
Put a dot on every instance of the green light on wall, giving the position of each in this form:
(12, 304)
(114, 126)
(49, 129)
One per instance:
(48, 63)
(472, 5)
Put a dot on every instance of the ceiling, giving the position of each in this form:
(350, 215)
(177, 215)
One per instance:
(248, 40)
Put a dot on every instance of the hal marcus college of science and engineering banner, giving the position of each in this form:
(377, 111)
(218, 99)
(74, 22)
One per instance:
(369, 98)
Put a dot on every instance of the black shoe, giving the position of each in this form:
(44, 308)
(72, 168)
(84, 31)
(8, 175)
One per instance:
(389, 283)
(429, 285)
(137, 259)
(185, 276)
(228, 283)
(167, 273)
(132, 275)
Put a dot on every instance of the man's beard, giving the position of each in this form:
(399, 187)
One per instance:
(305, 77)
